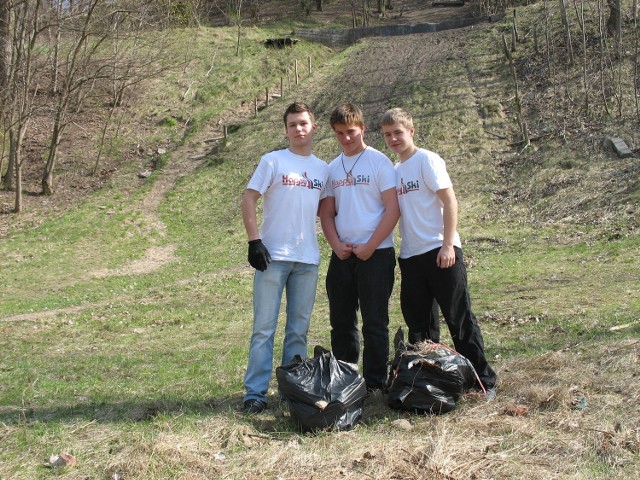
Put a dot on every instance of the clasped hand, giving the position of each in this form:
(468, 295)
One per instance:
(360, 250)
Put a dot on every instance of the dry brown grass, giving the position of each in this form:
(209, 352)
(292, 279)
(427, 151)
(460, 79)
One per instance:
(572, 413)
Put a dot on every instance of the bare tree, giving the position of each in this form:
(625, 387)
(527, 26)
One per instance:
(306, 7)
(5, 41)
(55, 38)
(603, 48)
(126, 69)
(232, 11)
(65, 38)
(80, 73)
(5, 63)
(366, 13)
(567, 32)
(614, 23)
(522, 123)
(585, 59)
(21, 86)
(636, 73)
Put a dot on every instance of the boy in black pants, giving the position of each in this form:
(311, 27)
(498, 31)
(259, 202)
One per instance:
(431, 259)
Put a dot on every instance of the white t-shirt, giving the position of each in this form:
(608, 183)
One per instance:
(358, 197)
(421, 211)
(291, 186)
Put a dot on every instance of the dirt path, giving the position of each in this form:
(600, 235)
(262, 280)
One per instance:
(384, 72)
(372, 69)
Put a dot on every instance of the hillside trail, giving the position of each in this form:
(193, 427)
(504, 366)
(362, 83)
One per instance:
(382, 72)
(378, 75)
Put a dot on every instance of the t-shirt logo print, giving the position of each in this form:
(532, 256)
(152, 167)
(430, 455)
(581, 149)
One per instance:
(309, 182)
(296, 180)
(410, 186)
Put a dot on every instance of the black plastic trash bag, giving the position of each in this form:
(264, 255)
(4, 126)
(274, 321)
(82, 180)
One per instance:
(427, 377)
(322, 392)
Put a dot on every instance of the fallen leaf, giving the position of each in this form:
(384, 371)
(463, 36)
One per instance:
(517, 410)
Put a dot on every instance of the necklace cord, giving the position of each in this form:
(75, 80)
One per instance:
(349, 174)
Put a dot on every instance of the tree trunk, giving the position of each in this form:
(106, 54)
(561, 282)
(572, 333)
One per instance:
(365, 13)
(601, 26)
(636, 76)
(47, 176)
(7, 179)
(5, 42)
(354, 17)
(16, 138)
(56, 56)
(522, 123)
(567, 32)
(238, 42)
(585, 58)
(614, 24)
(5, 65)
(17, 207)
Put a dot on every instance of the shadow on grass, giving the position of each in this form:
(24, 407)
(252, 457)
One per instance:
(275, 418)
(114, 412)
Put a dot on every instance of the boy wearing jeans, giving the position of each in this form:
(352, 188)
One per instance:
(431, 262)
(285, 251)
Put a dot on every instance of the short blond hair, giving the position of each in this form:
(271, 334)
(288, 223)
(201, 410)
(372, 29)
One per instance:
(397, 115)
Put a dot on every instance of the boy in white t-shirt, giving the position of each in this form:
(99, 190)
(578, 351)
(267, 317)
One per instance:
(358, 216)
(285, 250)
(431, 262)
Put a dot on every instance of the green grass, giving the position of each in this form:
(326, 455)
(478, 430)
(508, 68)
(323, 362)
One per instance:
(141, 374)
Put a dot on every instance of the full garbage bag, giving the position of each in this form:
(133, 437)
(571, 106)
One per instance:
(322, 392)
(427, 377)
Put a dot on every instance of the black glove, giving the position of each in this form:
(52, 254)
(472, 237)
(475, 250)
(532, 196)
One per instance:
(258, 256)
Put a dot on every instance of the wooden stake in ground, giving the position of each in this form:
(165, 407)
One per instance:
(521, 122)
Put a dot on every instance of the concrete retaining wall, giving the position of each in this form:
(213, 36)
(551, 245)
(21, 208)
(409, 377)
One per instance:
(344, 37)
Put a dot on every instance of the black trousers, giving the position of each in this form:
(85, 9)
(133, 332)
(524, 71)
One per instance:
(354, 284)
(422, 282)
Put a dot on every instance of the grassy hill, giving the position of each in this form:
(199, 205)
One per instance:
(125, 319)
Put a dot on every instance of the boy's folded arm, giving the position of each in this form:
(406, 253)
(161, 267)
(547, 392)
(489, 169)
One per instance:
(388, 220)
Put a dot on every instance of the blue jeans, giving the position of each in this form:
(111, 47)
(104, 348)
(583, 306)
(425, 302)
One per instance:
(300, 281)
(351, 285)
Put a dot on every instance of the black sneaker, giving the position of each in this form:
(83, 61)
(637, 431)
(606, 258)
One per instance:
(253, 406)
